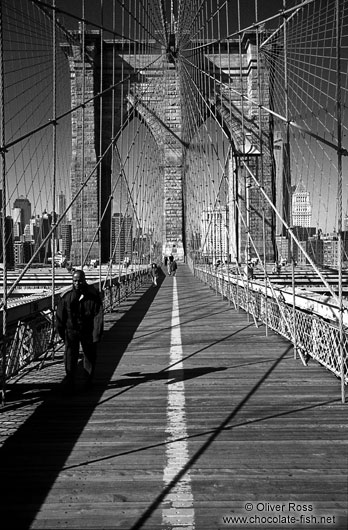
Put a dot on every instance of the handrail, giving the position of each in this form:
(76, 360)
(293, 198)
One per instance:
(317, 329)
(29, 336)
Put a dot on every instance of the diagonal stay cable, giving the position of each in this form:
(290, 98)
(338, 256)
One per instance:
(252, 27)
(86, 21)
(63, 214)
(49, 123)
(291, 123)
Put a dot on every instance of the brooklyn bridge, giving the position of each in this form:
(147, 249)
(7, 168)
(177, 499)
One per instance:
(211, 133)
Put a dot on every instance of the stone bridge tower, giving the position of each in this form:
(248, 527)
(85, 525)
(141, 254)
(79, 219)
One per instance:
(161, 108)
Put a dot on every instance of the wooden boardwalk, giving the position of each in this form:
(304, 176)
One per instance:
(196, 417)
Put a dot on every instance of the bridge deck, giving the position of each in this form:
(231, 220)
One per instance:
(163, 444)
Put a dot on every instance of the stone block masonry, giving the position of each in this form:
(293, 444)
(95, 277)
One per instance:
(159, 104)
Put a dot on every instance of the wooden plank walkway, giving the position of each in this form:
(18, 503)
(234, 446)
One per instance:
(196, 417)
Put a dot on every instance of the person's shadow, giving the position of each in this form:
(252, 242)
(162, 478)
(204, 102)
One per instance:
(169, 376)
(33, 456)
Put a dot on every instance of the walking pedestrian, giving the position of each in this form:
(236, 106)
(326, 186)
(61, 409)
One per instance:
(79, 320)
(173, 267)
(154, 273)
(170, 261)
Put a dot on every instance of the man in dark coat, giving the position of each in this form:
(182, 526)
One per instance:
(79, 319)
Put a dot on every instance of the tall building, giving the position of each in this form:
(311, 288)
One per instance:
(282, 248)
(28, 250)
(9, 248)
(128, 235)
(345, 222)
(61, 210)
(25, 207)
(45, 222)
(34, 227)
(66, 240)
(27, 235)
(121, 237)
(315, 250)
(18, 252)
(301, 207)
(61, 203)
(330, 252)
(283, 190)
(17, 224)
(215, 233)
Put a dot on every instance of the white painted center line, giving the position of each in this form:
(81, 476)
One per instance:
(178, 511)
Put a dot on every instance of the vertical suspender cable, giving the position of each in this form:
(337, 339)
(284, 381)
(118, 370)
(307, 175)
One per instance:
(234, 170)
(113, 176)
(222, 205)
(3, 213)
(246, 177)
(129, 212)
(119, 224)
(83, 28)
(212, 176)
(258, 59)
(213, 226)
(339, 192)
(202, 84)
(54, 158)
(287, 172)
(100, 170)
(230, 169)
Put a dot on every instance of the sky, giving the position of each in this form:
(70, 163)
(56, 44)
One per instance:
(30, 97)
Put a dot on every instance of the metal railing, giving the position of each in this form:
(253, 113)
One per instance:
(31, 335)
(315, 337)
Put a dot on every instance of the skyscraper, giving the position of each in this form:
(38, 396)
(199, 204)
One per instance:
(61, 210)
(17, 224)
(121, 236)
(45, 222)
(301, 206)
(25, 206)
(61, 203)
(9, 248)
(66, 240)
(214, 233)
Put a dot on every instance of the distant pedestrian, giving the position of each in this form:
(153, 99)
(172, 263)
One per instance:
(154, 273)
(165, 261)
(79, 320)
(173, 267)
(170, 261)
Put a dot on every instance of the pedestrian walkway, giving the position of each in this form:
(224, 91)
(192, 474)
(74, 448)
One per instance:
(196, 419)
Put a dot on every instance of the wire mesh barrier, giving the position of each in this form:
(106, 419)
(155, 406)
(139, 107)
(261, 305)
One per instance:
(28, 341)
(118, 290)
(33, 338)
(313, 336)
